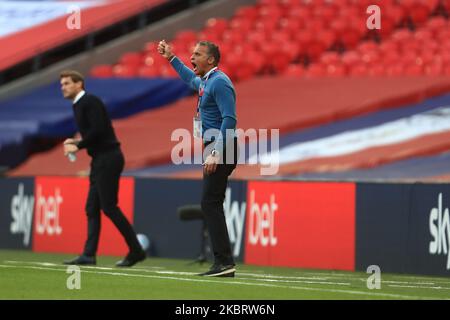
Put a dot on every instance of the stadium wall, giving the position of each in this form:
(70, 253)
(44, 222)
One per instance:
(402, 228)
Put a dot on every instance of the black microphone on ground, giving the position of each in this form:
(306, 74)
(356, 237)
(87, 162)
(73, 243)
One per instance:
(190, 212)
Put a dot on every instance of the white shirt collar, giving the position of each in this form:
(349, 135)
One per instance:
(206, 76)
(79, 96)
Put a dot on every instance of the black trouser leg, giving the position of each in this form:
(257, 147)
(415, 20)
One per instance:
(214, 188)
(107, 175)
(93, 219)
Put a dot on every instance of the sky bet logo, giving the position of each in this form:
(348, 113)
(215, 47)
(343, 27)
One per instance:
(235, 218)
(22, 214)
(440, 231)
(48, 212)
(262, 222)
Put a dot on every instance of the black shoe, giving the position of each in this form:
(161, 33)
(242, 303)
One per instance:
(220, 270)
(82, 260)
(131, 259)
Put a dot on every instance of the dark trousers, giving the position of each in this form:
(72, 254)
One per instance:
(213, 196)
(103, 193)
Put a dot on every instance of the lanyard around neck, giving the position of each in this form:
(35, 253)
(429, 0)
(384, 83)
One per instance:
(201, 89)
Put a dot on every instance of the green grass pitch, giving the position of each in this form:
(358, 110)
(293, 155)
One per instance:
(28, 275)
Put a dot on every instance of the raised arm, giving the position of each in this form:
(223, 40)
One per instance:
(186, 74)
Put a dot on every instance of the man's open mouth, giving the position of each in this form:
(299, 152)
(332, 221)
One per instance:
(195, 66)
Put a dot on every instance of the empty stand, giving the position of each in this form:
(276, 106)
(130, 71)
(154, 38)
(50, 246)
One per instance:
(298, 37)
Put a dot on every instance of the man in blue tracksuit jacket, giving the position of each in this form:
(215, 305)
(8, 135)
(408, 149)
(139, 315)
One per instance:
(216, 115)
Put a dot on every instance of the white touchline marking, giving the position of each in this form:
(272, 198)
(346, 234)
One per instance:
(422, 278)
(408, 282)
(353, 276)
(266, 277)
(280, 277)
(354, 292)
(260, 277)
(50, 264)
(294, 281)
(419, 282)
(421, 287)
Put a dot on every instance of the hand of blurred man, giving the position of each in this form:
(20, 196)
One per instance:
(210, 164)
(71, 141)
(70, 148)
(165, 50)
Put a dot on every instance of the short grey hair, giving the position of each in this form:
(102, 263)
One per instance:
(213, 50)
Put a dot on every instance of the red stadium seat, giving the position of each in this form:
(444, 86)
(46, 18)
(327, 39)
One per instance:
(269, 51)
(167, 71)
(436, 25)
(216, 25)
(315, 70)
(414, 70)
(256, 38)
(341, 3)
(339, 27)
(330, 58)
(273, 36)
(350, 39)
(280, 37)
(325, 12)
(301, 13)
(240, 24)
(408, 4)
(419, 13)
(423, 35)
(268, 2)
(279, 62)
(249, 13)
(289, 4)
(133, 59)
(327, 38)
(102, 71)
(148, 72)
(233, 37)
(390, 57)
(305, 38)
(256, 60)
(315, 25)
(445, 58)
(431, 4)
(244, 72)
(387, 27)
(376, 70)
(446, 5)
(315, 49)
(351, 58)
(367, 46)
(336, 70)
(395, 70)
(151, 47)
(125, 71)
(268, 26)
(357, 70)
(446, 71)
(434, 69)
(209, 35)
(402, 35)
(186, 36)
(270, 11)
(153, 59)
(388, 46)
(395, 13)
(294, 70)
(291, 25)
